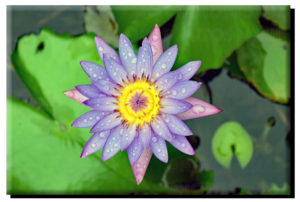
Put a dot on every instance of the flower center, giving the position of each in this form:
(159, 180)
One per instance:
(138, 102)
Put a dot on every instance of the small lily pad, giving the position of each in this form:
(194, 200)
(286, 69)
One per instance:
(229, 139)
(276, 190)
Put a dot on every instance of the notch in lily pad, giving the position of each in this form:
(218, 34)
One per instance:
(232, 139)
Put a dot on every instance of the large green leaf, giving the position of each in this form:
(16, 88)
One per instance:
(137, 22)
(279, 15)
(211, 33)
(48, 64)
(264, 60)
(42, 161)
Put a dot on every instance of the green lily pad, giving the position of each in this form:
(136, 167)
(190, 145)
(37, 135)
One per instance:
(211, 33)
(264, 60)
(137, 22)
(229, 139)
(41, 161)
(279, 15)
(48, 64)
(276, 190)
(100, 20)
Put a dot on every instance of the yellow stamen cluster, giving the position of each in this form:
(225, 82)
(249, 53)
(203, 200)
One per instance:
(146, 113)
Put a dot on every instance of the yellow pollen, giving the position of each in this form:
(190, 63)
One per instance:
(145, 91)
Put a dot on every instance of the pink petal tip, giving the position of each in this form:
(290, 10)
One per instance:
(75, 95)
(140, 166)
(199, 109)
(155, 42)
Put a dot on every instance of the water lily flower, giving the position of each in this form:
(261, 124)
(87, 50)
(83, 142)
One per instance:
(137, 103)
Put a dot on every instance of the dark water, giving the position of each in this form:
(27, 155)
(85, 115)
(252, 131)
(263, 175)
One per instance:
(270, 163)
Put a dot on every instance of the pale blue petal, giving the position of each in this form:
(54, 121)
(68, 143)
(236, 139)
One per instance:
(128, 135)
(174, 106)
(145, 135)
(107, 87)
(127, 55)
(95, 143)
(115, 71)
(160, 128)
(188, 70)
(112, 145)
(144, 60)
(89, 91)
(108, 122)
(105, 104)
(159, 148)
(176, 125)
(182, 90)
(104, 49)
(166, 81)
(135, 150)
(94, 70)
(182, 144)
(164, 63)
(88, 119)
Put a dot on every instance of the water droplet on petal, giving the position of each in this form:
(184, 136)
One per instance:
(198, 109)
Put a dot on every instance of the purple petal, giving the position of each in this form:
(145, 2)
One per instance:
(94, 70)
(145, 135)
(140, 166)
(182, 144)
(164, 63)
(135, 150)
(88, 119)
(105, 104)
(160, 128)
(104, 48)
(183, 90)
(95, 143)
(115, 70)
(128, 135)
(108, 122)
(188, 70)
(199, 109)
(90, 91)
(112, 145)
(107, 87)
(127, 55)
(173, 106)
(176, 126)
(159, 148)
(166, 81)
(144, 59)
